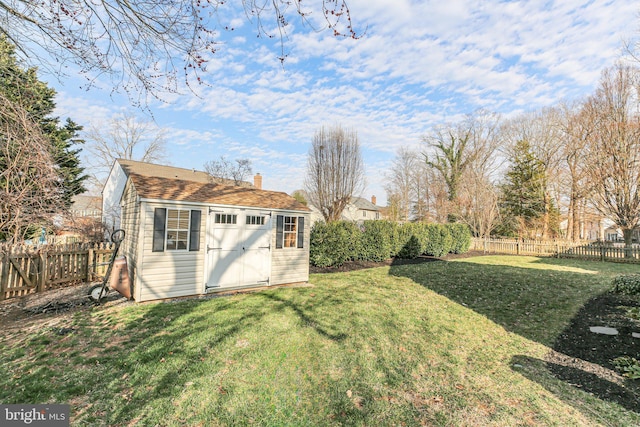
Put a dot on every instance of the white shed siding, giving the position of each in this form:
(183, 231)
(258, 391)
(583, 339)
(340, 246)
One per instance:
(111, 196)
(290, 265)
(170, 273)
(130, 219)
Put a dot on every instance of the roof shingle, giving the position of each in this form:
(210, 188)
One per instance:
(165, 188)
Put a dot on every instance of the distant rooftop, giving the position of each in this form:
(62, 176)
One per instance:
(163, 171)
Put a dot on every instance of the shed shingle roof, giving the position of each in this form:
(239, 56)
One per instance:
(163, 188)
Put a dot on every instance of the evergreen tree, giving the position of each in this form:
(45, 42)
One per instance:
(523, 191)
(22, 87)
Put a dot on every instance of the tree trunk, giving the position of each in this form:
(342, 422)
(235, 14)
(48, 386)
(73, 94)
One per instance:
(627, 233)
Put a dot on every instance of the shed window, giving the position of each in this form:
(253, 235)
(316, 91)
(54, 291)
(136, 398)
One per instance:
(255, 220)
(176, 230)
(289, 232)
(226, 219)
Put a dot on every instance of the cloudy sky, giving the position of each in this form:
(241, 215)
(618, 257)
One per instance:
(417, 64)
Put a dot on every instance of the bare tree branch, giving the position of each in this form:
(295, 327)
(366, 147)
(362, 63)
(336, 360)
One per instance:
(30, 193)
(614, 146)
(335, 171)
(224, 171)
(125, 137)
(147, 47)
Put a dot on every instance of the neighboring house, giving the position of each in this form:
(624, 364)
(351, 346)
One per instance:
(190, 237)
(357, 210)
(83, 221)
(114, 186)
(592, 227)
(86, 207)
(614, 234)
(360, 209)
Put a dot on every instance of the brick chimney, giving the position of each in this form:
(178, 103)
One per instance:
(373, 200)
(257, 181)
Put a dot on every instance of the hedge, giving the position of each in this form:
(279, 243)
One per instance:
(460, 238)
(335, 243)
(627, 284)
(376, 240)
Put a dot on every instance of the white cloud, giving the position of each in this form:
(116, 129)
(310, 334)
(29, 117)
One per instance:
(419, 63)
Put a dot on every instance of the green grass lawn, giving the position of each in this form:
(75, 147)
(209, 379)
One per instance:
(442, 343)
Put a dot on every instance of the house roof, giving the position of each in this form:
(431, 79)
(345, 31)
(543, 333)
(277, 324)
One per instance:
(364, 204)
(172, 189)
(162, 171)
(82, 202)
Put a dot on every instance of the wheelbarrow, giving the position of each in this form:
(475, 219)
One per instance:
(100, 290)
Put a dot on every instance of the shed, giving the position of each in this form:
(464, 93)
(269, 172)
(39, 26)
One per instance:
(188, 237)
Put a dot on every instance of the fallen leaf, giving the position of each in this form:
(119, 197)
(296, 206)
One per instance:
(349, 394)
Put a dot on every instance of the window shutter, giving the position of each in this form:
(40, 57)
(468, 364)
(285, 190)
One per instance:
(194, 231)
(159, 220)
(279, 231)
(301, 232)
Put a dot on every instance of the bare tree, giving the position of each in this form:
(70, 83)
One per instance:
(456, 148)
(399, 182)
(335, 170)
(614, 147)
(145, 46)
(478, 203)
(577, 128)
(30, 194)
(452, 154)
(223, 171)
(125, 137)
(408, 184)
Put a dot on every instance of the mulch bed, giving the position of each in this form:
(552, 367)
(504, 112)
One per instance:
(584, 358)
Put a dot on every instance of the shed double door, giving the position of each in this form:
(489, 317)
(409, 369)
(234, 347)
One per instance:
(238, 248)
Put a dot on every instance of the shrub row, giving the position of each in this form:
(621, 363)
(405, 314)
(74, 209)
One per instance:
(627, 284)
(335, 243)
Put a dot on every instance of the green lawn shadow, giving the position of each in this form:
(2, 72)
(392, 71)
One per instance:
(535, 301)
(550, 301)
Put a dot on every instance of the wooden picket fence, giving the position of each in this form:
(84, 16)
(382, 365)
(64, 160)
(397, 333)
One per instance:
(27, 269)
(559, 249)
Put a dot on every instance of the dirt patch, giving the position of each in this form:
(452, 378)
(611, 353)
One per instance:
(48, 309)
(584, 358)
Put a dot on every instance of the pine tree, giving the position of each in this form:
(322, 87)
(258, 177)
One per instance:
(523, 191)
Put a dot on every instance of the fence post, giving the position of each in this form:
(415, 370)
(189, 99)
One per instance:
(42, 277)
(602, 253)
(4, 278)
(518, 247)
(90, 256)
